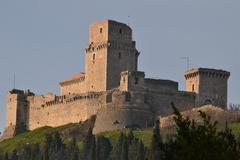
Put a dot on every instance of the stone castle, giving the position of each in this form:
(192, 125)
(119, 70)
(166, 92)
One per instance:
(113, 89)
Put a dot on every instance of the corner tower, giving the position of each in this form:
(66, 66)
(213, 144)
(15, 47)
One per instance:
(210, 86)
(17, 112)
(110, 51)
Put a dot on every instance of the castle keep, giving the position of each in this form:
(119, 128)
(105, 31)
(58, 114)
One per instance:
(113, 89)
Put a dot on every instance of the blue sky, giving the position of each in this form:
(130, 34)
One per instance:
(43, 41)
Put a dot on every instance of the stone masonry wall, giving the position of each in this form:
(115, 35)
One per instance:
(160, 102)
(73, 88)
(62, 110)
(161, 85)
(126, 110)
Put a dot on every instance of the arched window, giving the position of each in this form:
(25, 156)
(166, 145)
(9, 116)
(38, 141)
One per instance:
(100, 30)
(193, 88)
(94, 56)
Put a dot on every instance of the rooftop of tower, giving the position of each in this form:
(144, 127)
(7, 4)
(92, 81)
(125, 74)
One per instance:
(109, 21)
(206, 70)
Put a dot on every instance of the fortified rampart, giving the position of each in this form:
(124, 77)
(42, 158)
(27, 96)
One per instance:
(62, 109)
(113, 89)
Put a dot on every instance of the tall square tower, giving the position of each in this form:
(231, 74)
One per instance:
(110, 51)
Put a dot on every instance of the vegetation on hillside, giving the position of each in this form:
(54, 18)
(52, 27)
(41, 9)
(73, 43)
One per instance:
(191, 140)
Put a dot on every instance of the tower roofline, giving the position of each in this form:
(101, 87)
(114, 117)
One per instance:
(111, 22)
(205, 70)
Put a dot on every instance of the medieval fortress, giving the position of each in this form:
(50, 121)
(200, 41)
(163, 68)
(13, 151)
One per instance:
(113, 89)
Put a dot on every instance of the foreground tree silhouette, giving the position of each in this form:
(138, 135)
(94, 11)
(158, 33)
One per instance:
(103, 148)
(200, 141)
(6, 156)
(53, 148)
(89, 146)
(72, 150)
(155, 147)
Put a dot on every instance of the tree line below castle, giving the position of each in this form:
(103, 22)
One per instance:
(192, 140)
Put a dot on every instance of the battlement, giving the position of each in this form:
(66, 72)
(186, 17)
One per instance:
(21, 92)
(72, 98)
(210, 86)
(206, 72)
(111, 44)
(109, 30)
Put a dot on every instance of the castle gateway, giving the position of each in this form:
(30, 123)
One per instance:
(113, 89)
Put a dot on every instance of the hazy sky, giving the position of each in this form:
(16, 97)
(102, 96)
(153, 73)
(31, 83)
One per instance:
(43, 41)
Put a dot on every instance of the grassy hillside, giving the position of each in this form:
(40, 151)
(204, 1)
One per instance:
(38, 136)
(33, 137)
(79, 131)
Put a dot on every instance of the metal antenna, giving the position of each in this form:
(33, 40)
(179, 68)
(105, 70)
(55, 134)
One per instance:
(14, 80)
(129, 20)
(188, 61)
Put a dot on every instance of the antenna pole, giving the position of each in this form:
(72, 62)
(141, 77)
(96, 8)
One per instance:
(14, 81)
(188, 61)
(129, 20)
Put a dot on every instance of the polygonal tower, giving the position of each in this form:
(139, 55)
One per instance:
(111, 50)
(210, 86)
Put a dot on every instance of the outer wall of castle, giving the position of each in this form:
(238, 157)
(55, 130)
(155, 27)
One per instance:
(113, 89)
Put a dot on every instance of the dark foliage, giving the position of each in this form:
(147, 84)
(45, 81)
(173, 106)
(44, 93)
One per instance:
(192, 141)
(103, 148)
(200, 141)
(155, 147)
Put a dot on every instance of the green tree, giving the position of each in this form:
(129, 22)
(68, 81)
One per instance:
(155, 147)
(35, 152)
(103, 148)
(92, 152)
(200, 141)
(89, 146)
(117, 150)
(14, 155)
(53, 148)
(136, 150)
(141, 151)
(6, 156)
(45, 147)
(124, 148)
(73, 151)
(131, 137)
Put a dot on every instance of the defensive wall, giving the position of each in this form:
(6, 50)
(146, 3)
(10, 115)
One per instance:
(62, 109)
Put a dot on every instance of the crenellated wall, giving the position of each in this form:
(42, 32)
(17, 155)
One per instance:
(62, 109)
